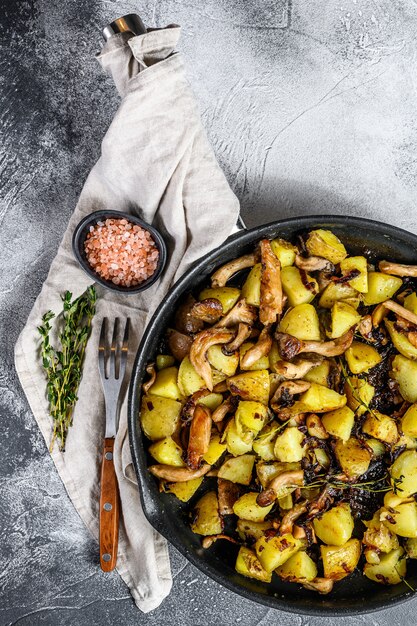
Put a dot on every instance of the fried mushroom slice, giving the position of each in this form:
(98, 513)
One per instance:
(201, 344)
(314, 264)
(292, 516)
(178, 474)
(199, 440)
(400, 311)
(261, 348)
(209, 310)
(189, 407)
(398, 269)
(271, 302)
(222, 275)
(243, 332)
(285, 392)
(223, 409)
(227, 493)
(297, 368)
(291, 478)
(150, 369)
(322, 585)
(210, 539)
(241, 312)
(179, 344)
(289, 346)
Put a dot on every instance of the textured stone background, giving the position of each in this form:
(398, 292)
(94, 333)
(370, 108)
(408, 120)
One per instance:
(310, 107)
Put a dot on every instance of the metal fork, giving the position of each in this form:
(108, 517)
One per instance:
(112, 367)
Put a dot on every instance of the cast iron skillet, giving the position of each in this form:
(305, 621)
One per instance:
(166, 514)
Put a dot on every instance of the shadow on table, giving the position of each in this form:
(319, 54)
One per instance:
(281, 199)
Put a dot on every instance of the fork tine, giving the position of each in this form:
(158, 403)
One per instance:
(102, 352)
(113, 350)
(123, 356)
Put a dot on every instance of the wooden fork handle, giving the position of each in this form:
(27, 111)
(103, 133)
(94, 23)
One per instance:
(109, 509)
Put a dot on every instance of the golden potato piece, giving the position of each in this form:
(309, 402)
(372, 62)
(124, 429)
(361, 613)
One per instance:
(274, 551)
(168, 452)
(248, 564)
(400, 341)
(238, 470)
(227, 296)
(335, 526)
(391, 569)
(340, 561)
(159, 417)
(381, 427)
(295, 288)
(320, 399)
(302, 322)
(352, 457)
(184, 491)
(356, 263)
(324, 243)
(299, 567)
(404, 474)
(246, 508)
(207, 520)
(404, 371)
(344, 317)
(250, 386)
(251, 289)
(361, 357)
(339, 423)
(381, 287)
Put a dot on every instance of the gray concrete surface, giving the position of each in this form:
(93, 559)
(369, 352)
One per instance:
(310, 107)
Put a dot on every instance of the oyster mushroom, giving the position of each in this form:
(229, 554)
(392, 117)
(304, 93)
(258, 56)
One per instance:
(223, 409)
(320, 504)
(178, 474)
(199, 440)
(287, 389)
(241, 312)
(201, 344)
(222, 275)
(292, 478)
(261, 348)
(314, 264)
(209, 310)
(243, 332)
(298, 368)
(179, 344)
(400, 311)
(291, 516)
(315, 427)
(322, 585)
(150, 369)
(189, 407)
(210, 539)
(228, 493)
(398, 269)
(271, 302)
(289, 346)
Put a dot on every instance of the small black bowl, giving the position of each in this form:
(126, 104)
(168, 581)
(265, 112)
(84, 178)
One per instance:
(83, 228)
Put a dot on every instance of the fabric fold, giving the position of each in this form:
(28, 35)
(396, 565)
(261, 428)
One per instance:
(156, 162)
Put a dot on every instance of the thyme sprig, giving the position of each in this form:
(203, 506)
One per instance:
(64, 367)
(371, 485)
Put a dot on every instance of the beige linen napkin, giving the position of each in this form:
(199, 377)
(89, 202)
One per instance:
(156, 162)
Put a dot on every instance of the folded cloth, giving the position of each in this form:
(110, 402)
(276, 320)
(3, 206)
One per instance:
(156, 162)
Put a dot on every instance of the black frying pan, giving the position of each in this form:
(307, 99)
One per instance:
(355, 594)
